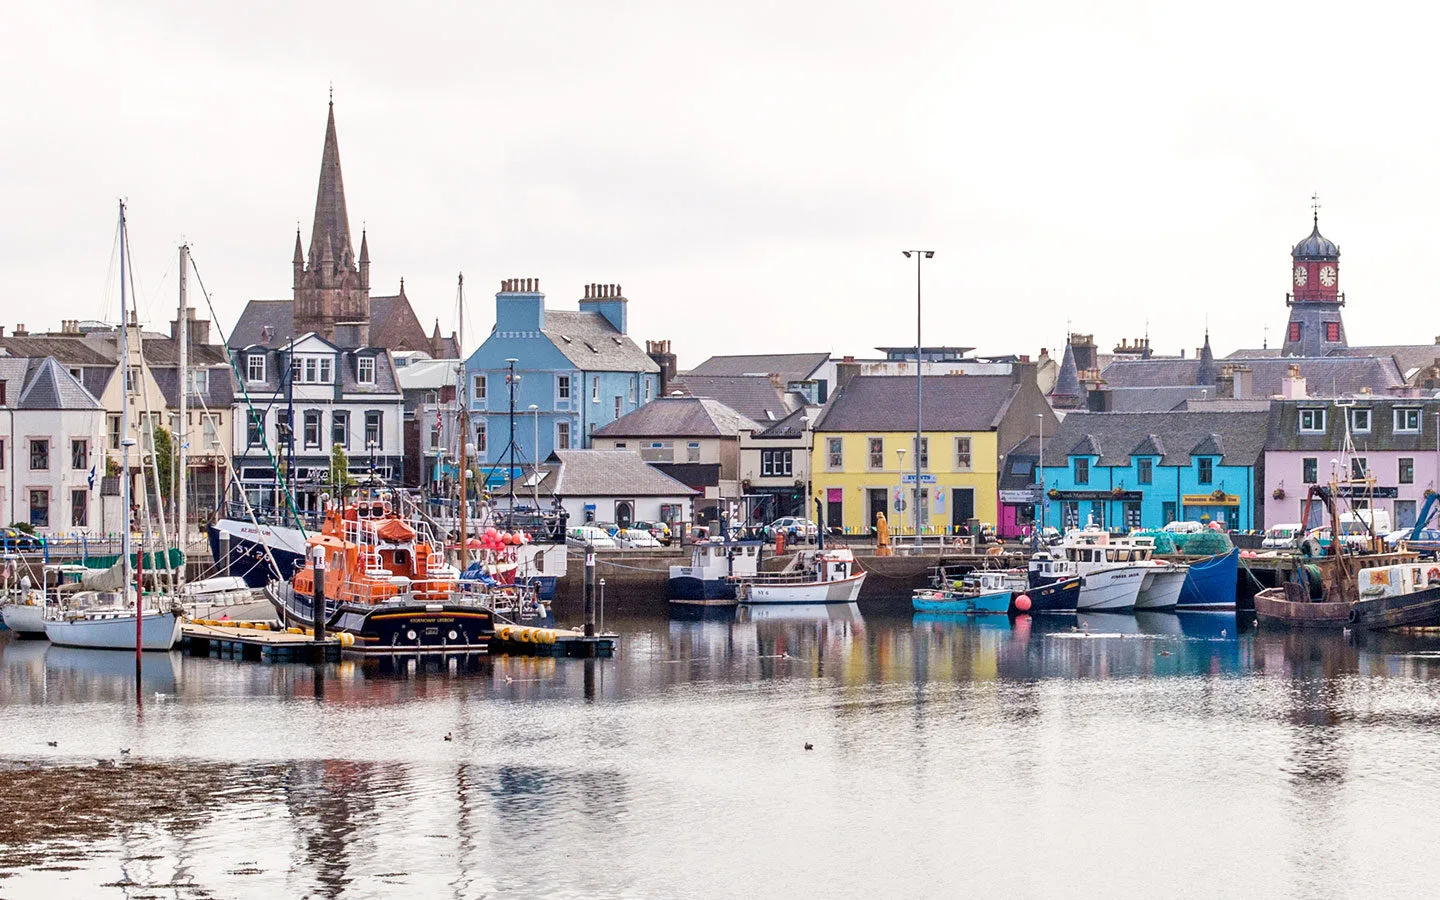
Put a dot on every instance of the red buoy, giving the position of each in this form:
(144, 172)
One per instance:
(1022, 602)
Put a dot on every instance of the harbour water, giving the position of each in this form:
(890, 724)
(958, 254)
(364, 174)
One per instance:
(1141, 755)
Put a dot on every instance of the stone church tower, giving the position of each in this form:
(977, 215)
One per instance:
(332, 287)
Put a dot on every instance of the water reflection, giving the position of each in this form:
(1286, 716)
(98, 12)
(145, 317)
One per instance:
(470, 776)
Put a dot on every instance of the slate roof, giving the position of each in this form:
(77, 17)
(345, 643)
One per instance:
(44, 384)
(1284, 427)
(1316, 246)
(258, 315)
(790, 366)
(680, 417)
(1239, 437)
(592, 344)
(1067, 383)
(219, 389)
(69, 350)
(792, 425)
(1154, 399)
(1020, 463)
(385, 379)
(605, 473)
(1324, 375)
(950, 403)
(394, 325)
(758, 397)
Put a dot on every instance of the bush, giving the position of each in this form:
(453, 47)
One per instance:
(23, 526)
(1208, 543)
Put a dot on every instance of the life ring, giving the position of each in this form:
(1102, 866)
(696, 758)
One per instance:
(1433, 576)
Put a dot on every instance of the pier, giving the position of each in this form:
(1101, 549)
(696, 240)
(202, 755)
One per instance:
(247, 641)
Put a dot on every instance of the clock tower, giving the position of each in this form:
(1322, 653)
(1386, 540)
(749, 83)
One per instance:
(1315, 327)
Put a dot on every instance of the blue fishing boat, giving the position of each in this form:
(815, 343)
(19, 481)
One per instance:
(979, 593)
(1056, 597)
(1211, 582)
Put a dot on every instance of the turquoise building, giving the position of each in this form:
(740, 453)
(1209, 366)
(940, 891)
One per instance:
(574, 371)
(1144, 470)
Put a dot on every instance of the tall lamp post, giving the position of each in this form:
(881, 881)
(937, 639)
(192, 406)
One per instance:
(919, 255)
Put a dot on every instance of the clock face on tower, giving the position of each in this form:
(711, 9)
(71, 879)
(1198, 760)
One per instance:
(1327, 276)
(1301, 276)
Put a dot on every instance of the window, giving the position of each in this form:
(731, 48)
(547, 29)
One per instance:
(1132, 515)
(621, 445)
(595, 389)
(312, 428)
(1360, 421)
(212, 431)
(79, 454)
(647, 390)
(1407, 419)
(479, 392)
(1145, 470)
(657, 451)
(129, 380)
(617, 407)
(1309, 470)
(1294, 332)
(295, 367)
(1167, 512)
(2, 460)
(198, 381)
(1312, 421)
(79, 509)
(877, 453)
(482, 438)
(112, 428)
(327, 376)
(632, 392)
(834, 454)
(372, 429)
(1358, 467)
(254, 428)
(340, 429)
(1070, 514)
(39, 453)
(692, 451)
(962, 454)
(1082, 471)
(40, 509)
(562, 435)
(1205, 470)
(312, 368)
(283, 431)
(1407, 470)
(775, 463)
(1332, 331)
(365, 369)
(924, 451)
(562, 389)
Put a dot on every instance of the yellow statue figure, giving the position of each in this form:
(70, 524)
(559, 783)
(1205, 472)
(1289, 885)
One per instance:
(882, 535)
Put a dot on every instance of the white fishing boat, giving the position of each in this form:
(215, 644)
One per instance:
(115, 630)
(824, 576)
(1111, 575)
(25, 616)
(1162, 585)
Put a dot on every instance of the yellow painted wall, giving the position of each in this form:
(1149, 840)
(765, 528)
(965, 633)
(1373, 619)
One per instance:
(856, 477)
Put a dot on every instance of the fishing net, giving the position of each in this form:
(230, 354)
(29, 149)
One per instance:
(1207, 543)
(1164, 540)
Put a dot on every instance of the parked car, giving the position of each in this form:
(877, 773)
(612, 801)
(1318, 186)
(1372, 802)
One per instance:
(658, 530)
(581, 535)
(794, 528)
(635, 538)
(1427, 536)
(608, 527)
(1282, 537)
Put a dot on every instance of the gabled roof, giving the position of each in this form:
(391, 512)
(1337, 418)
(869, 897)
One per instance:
(1240, 436)
(605, 473)
(680, 417)
(265, 323)
(592, 344)
(1150, 446)
(790, 366)
(758, 397)
(48, 386)
(949, 403)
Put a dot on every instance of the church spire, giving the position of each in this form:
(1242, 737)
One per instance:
(332, 222)
(1207, 373)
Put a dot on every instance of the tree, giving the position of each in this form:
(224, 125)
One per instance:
(340, 480)
(164, 461)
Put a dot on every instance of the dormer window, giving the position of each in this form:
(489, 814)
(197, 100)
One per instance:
(255, 368)
(365, 369)
(1360, 421)
(1407, 419)
(1312, 421)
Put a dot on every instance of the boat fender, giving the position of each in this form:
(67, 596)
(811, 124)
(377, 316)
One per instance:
(1353, 616)
(1022, 602)
(549, 636)
(503, 632)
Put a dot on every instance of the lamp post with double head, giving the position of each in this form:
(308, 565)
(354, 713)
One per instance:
(919, 255)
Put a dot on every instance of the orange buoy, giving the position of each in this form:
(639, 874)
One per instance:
(1022, 602)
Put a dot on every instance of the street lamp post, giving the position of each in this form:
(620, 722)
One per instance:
(919, 255)
(900, 453)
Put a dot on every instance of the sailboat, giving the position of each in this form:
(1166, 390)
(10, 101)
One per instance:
(125, 625)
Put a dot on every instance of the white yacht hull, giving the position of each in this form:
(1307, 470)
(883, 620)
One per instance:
(1111, 589)
(1161, 589)
(25, 619)
(846, 590)
(116, 631)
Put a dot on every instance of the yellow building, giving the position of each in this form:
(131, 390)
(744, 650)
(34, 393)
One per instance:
(864, 448)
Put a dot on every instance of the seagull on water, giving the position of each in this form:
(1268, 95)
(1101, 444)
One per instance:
(449, 736)
(809, 746)
(124, 751)
(52, 743)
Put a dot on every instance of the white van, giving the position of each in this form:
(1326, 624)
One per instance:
(1282, 537)
(1185, 527)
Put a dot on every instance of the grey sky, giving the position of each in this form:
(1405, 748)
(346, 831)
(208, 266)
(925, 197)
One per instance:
(748, 171)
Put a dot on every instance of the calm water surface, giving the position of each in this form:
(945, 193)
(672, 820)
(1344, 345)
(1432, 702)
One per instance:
(1151, 755)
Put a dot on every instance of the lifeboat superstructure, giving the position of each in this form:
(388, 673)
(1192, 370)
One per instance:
(387, 582)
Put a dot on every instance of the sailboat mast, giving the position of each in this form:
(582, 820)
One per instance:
(464, 422)
(126, 442)
(183, 441)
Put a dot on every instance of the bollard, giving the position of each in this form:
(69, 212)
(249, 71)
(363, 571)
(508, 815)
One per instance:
(318, 610)
(589, 590)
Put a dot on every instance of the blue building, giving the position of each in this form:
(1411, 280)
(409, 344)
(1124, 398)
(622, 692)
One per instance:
(575, 371)
(1147, 469)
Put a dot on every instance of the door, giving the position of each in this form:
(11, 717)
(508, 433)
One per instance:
(834, 509)
(624, 513)
(962, 506)
(875, 500)
(1404, 513)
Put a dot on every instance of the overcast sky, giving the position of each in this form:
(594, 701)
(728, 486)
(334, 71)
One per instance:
(748, 171)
